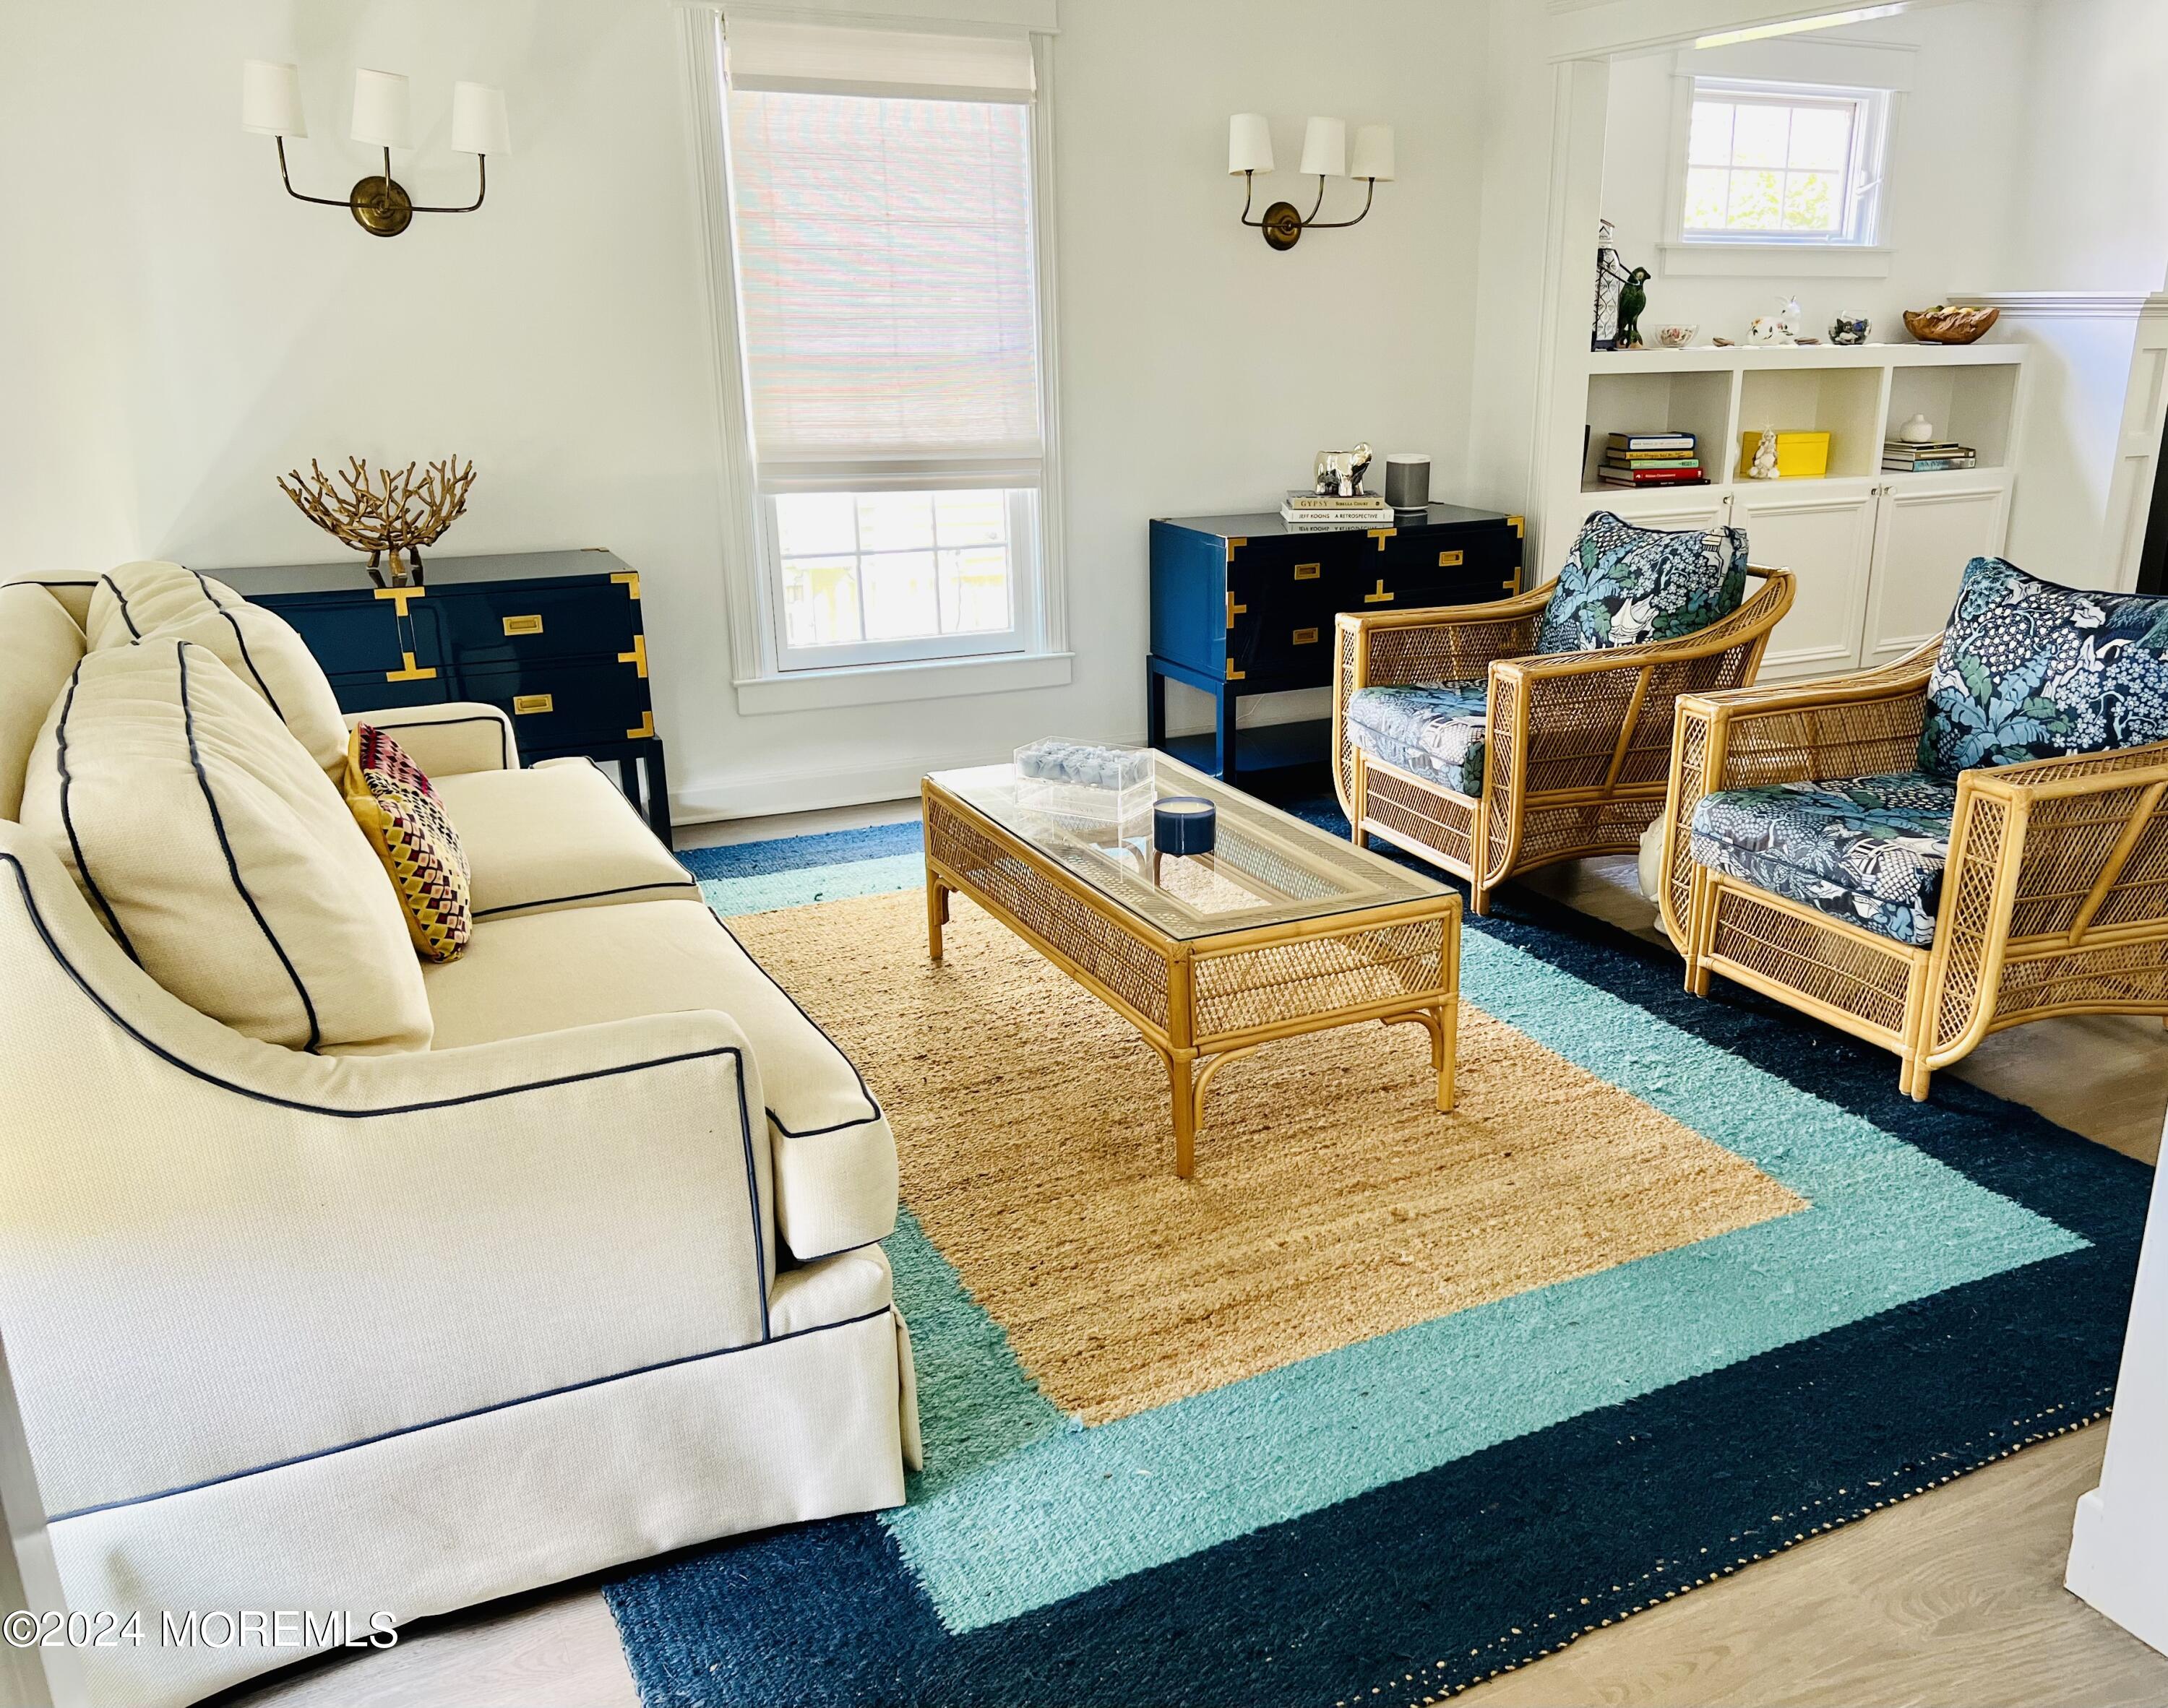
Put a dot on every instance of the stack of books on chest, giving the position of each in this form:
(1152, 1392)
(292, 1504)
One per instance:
(1900, 457)
(1325, 510)
(1652, 459)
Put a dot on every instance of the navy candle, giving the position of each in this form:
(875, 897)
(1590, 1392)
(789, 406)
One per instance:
(1184, 824)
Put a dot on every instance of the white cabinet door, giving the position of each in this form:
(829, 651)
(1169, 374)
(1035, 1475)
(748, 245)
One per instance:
(1925, 534)
(1823, 531)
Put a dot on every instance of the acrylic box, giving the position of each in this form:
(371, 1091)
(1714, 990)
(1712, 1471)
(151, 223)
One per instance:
(1102, 782)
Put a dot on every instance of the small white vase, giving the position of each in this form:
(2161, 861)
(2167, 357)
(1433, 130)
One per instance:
(1918, 431)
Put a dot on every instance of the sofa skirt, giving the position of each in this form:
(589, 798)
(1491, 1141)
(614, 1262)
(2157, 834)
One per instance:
(322, 1552)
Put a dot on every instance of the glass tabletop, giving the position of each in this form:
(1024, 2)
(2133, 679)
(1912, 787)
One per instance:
(1266, 867)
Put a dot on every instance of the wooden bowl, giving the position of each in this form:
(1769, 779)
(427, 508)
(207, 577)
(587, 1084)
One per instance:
(1946, 326)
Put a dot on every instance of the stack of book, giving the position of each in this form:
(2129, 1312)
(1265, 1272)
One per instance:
(1325, 510)
(1900, 457)
(1652, 459)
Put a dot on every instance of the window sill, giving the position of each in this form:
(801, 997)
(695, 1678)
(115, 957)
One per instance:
(887, 684)
(1774, 260)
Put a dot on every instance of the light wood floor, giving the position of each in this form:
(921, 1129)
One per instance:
(1953, 1600)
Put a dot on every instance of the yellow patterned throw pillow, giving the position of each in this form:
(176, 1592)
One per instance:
(406, 823)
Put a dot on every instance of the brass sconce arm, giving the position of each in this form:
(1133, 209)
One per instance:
(286, 178)
(481, 189)
(1313, 223)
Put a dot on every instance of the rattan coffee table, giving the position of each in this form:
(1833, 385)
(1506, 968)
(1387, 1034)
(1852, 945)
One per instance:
(1280, 931)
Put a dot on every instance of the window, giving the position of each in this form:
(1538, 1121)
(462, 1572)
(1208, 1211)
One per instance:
(1790, 163)
(881, 187)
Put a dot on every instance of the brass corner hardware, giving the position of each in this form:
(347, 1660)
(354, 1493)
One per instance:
(399, 597)
(1519, 525)
(522, 625)
(1233, 542)
(524, 703)
(645, 730)
(1233, 610)
(1382, 534)
(412, 672)
(630, 579)
(637, 658)
(1233, 675)
(1380, 596)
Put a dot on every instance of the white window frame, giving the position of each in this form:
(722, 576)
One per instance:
(1023, 550)
(1867, 115)
(1036, 653)
(1874, 75)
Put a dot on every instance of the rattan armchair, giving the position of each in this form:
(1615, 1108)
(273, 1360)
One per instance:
(1579, 745)
(2054, 899)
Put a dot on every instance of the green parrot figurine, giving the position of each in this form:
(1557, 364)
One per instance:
(1632, 299)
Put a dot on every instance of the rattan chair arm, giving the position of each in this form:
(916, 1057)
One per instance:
(1449, 616)
(1895, 681)
(2074, 774)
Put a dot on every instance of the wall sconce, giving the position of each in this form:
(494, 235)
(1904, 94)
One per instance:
(271, 106)
(1325, 153)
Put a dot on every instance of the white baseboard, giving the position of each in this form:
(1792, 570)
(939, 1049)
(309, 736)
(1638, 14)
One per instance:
(799, 789)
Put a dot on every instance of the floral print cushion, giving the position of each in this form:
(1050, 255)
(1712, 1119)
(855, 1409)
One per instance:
(1625, 583)
(2030, 670)
(1869, 850)
(1437, 731)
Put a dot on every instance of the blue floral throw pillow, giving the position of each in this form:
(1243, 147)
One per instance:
(2029, 670)
(1625, 583)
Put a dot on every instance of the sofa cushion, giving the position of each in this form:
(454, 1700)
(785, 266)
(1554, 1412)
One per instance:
(1436, 733)
(835, 1158)
(1625, 584)
(39, 647)
(391, 800)
(219, 856)
(2029, 670)
(557, 835)
(1868, 850)
(141, 602)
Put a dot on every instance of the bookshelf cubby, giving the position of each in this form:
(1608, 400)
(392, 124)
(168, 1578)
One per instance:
(1877, 554)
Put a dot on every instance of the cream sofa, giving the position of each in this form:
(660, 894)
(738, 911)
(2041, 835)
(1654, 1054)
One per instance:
(593, 1277)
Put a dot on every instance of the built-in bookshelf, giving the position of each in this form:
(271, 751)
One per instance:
(1877, 554)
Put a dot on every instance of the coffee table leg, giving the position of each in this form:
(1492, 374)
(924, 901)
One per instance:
(1183, 1091)
(1448, 1042)
(937, 913)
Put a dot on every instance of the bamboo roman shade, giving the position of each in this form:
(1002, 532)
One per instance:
(881, 196)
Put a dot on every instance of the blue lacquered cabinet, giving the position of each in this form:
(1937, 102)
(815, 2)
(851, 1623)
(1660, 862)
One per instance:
(556, 639)
(1244, 605)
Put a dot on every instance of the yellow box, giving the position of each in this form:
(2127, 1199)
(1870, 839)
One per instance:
(1799, 456)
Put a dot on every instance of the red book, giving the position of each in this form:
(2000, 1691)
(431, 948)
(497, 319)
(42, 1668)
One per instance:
(1657, 477)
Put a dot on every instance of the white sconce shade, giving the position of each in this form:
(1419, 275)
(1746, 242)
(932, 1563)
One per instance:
(1249, 144)
(478, 126)
(383, 113)
(271, 99)
(1325, 148)
(1374, 153)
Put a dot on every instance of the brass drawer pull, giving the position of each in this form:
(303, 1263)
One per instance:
(1450, 560)
(524, 703)
(1307, 572)
(1304, 637)
(522, 625)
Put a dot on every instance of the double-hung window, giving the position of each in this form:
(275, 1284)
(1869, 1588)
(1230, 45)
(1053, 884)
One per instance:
(881, 186)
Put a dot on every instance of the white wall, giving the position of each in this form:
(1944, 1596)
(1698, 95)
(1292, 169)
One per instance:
(1952, 130)
(181, 333)
(2092, 201)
